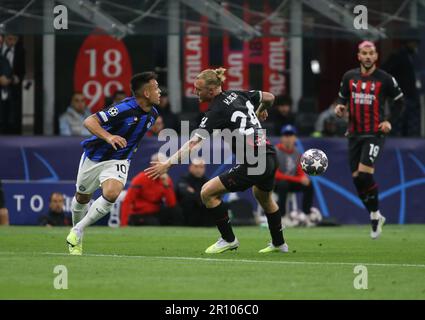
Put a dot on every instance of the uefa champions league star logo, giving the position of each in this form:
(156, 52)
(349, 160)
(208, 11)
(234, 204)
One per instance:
(113, 111)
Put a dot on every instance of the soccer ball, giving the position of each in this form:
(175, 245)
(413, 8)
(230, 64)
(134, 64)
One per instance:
(314, 162)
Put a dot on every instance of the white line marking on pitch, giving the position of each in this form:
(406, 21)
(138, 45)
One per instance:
(228, 260)
(248, 261)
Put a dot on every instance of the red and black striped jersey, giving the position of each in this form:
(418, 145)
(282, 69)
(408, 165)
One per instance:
(365, 96)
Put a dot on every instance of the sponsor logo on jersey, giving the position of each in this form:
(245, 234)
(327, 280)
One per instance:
(203, 122)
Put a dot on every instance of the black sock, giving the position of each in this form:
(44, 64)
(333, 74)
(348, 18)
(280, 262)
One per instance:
(275, 226)
(374, 224)
(370, 200)
(367, 190)
(222, 221)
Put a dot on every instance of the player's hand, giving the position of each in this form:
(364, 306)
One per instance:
(115, 141)
(190, 189)
(385, 127)
(262, 116)
(305, 181)
(157, 169)
(340, 110)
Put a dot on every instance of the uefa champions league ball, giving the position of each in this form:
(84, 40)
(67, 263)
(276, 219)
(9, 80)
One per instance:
(314, 162)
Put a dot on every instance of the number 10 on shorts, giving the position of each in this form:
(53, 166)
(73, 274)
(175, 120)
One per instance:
(122, 168)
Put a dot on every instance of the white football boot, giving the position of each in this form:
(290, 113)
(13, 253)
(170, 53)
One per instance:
(375, 234)
(222, 245)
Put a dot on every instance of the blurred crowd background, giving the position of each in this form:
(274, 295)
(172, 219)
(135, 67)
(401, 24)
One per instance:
(51, 79)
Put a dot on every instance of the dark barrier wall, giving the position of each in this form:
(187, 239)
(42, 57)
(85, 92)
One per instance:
(31, 168)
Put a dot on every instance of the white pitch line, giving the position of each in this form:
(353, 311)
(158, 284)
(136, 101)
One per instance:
(247, 260)
(229, 260)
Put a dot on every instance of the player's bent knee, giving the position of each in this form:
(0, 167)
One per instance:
(111, 189)
(208, 194)
(82, 198)
(365, 169)
(110, 194)
(205, 194)
(269, 206)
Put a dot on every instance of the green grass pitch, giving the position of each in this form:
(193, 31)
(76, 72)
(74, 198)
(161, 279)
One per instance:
(170, 263)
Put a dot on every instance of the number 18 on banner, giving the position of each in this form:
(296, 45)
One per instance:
(103, 66)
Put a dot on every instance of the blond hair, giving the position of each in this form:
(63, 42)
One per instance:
(213, 77)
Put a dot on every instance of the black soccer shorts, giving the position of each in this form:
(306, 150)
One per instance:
(238, 178)
(364, 150)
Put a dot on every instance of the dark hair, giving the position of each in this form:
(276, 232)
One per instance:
(118, 92)
(53, 193)
(283, 100)
(75, 93)
(140, 79)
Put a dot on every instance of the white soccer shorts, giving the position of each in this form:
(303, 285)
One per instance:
(92, 174)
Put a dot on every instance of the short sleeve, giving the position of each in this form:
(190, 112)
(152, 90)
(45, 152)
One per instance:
(344, 90)
(113, 114)
(255, 96)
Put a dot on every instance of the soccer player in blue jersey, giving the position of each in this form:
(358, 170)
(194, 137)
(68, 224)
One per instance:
(117, 131)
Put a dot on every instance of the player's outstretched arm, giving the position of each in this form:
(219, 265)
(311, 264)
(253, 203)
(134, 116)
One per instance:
(92, 123)
(158, 168)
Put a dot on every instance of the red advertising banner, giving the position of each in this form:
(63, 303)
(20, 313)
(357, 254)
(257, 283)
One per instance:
(263, 58)
(274, 54)
(233, 61)
(103, 66)
(195, 54)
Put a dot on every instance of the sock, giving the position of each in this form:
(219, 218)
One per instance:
(374, 216)
(78, 210)
(275, 226)
(222, 222)
(367, 190)
(98, 209)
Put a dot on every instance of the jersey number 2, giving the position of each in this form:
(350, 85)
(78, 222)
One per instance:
(252, 118)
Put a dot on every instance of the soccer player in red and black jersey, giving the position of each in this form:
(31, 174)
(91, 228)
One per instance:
(240, 112)
(363, 94)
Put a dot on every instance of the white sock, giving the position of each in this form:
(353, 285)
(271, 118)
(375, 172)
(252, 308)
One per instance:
(100, 208)
(375, 215)
(79, 210)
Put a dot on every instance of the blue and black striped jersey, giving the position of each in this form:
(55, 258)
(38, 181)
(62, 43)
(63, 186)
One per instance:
(125, 119)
